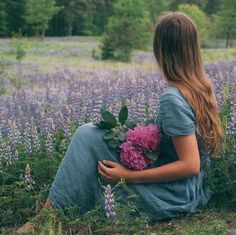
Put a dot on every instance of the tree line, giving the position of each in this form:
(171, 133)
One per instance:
(89, 17)
(124, 24)
(54, 17)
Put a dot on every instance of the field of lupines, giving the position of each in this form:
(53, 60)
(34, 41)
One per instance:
(38, 119)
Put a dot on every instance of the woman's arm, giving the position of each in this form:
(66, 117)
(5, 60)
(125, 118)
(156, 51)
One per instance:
(188, 165)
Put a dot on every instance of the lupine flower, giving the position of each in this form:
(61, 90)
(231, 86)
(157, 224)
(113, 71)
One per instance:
(109, 203)
(1, 152)
(28, 179)
(73, 97)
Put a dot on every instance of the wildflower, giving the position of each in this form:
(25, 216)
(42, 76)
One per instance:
(28, 179)
(109, 203)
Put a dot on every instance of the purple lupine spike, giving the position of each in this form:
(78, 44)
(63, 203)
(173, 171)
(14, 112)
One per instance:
(8, 155)
(1, 152)
(49, 129)
(109, 203)
(28, 179)
(28, 139)
(36, 140)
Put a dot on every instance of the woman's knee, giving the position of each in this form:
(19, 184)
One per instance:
(87, 131)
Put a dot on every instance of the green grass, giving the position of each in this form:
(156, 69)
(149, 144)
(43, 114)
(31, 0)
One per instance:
(206, 222)
(211, 55)
(35, 50)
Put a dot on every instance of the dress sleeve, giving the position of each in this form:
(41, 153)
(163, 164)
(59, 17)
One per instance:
(176, 115)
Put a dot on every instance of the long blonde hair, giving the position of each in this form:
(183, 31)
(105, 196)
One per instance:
(177, 50)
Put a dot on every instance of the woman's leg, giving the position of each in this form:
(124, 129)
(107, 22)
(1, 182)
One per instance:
(77, 179)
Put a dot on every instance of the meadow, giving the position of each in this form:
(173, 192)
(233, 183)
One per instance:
(61, 84)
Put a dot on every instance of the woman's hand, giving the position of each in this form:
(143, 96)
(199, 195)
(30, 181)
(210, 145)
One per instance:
(114, 173)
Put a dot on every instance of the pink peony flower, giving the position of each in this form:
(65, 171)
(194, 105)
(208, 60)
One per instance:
(146, 137)
(133, 158)
(138, 141)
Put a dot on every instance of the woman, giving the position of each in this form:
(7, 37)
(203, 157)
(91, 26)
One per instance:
(190, 125)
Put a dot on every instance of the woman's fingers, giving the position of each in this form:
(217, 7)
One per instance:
(110, 163)
(103, 175)
(103, 167)
(103, 170)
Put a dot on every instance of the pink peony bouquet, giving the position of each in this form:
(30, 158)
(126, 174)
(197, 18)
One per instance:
(138, 144)
(141, 144)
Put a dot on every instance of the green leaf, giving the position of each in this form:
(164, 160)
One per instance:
(152, 155)
(108, 117)
(104, 125)
(121, 136)
(110, 135)
(123, 115)
(113, 143)
(150, 121)
(130, 124)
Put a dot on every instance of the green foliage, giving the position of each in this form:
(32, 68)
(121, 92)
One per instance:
(174, 4)
(19, 45)
(199, 17)
(71, 9)
(3, 19)
(11, 16)
(39, 13)
(225, 21)
(152, 155)
(108, 117)
(123, 115)
(115, 134)
(212, 6)
(155, 7)
(3, 68)
(104, 10)
(222, 176)
(128, 29)
(90, 17)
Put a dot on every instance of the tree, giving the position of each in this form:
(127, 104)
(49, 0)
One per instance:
(212, 6)
(200, 3)
(15, 10)
(103, 10)
(129, 28)
(71, 9)
(3, 20)
(199, 17)
(155, 7)
(226, 21)
(39, 13)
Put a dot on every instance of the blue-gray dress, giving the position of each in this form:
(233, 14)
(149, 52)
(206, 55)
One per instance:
(77, 179)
